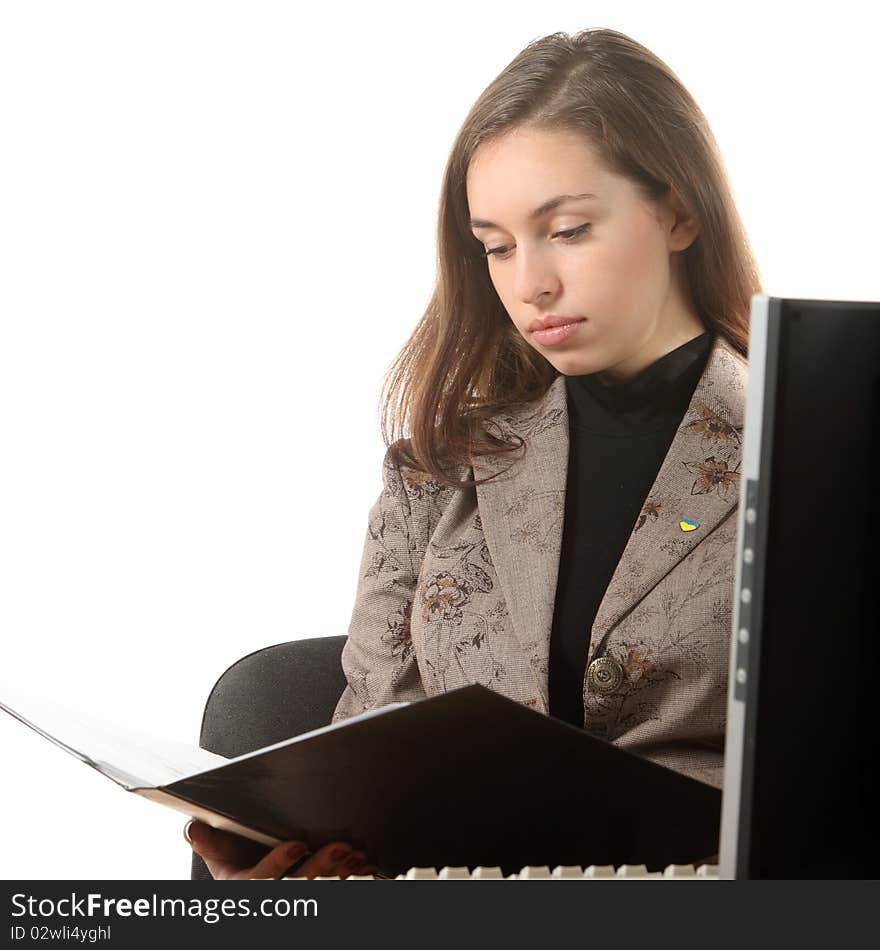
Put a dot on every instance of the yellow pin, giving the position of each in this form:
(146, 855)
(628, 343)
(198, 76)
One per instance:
(687, 525)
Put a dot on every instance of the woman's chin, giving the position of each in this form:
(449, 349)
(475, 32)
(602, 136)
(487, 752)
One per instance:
(571, 364)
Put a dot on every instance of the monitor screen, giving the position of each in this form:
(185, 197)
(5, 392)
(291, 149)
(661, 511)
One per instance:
(801, 790)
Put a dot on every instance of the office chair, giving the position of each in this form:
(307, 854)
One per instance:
(271, 694)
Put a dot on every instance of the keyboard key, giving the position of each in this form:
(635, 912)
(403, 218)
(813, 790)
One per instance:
(679, 870)
(420, 874)
(541, 873)
(487, 874)
(600, 870)
(568, 872)
(708, 871)
(454, 874)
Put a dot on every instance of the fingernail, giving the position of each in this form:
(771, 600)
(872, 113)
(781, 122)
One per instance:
(189, 840)
(295, 849)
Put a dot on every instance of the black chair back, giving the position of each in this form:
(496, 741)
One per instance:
(271, 695)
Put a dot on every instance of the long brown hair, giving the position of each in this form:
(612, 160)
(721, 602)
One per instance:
(466, 361)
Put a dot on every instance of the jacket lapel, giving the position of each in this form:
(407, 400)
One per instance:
(696, 487)
(522, 509)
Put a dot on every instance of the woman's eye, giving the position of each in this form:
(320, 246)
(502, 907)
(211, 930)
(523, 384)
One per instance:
(567, 236)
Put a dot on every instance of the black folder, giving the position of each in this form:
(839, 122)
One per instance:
(466, 778)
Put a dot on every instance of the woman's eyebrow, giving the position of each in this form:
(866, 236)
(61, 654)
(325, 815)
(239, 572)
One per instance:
(478, 223)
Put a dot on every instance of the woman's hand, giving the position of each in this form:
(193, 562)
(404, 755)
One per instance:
(231, 857)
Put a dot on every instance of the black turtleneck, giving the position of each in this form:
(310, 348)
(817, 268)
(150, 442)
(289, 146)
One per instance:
(618, 438)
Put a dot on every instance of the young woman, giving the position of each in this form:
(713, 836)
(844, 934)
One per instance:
(560, 525)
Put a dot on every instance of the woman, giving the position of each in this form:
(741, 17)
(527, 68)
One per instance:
(590, 321)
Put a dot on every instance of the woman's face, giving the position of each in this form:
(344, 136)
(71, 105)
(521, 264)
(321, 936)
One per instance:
(619, 273)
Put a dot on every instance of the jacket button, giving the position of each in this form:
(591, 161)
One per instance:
(604, 675)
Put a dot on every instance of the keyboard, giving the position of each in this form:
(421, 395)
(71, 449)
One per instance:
(625, 872)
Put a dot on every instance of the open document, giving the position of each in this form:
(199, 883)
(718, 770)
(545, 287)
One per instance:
(466, 778)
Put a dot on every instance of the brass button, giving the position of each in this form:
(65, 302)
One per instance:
(604, 675)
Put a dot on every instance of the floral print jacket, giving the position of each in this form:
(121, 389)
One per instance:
(458, 586)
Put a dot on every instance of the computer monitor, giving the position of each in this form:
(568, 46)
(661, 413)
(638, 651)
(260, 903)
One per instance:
(800, 797)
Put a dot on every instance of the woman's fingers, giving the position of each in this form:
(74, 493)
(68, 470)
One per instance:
(334, 859)
(278, 860)
(229, 856)
(213, 843)
(224, 846)
(355, 863)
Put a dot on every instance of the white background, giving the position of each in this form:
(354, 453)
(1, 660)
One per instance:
(217, 227)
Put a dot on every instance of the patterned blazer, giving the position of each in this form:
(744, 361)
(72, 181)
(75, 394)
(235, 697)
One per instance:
(458, 586)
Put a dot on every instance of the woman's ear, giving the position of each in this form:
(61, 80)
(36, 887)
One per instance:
(679, 221)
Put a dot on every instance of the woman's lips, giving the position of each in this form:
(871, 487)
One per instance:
(556, 335)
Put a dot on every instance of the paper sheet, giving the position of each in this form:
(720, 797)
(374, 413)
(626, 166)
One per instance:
(132, 758)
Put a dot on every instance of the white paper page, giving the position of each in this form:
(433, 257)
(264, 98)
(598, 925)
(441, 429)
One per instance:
(131, 758)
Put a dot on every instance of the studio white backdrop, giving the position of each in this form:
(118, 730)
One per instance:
(217, 225)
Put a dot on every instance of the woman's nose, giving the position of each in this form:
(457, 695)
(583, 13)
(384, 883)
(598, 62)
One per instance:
(534, 278)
